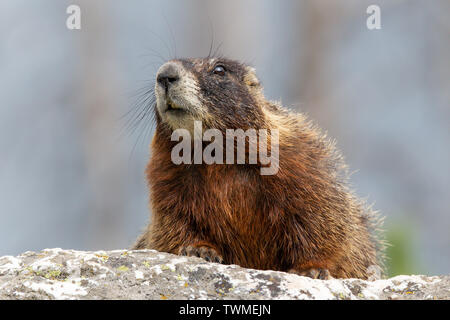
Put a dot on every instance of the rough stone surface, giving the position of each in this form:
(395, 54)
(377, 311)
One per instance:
(148, 274)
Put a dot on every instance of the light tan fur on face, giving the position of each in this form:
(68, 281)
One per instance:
(184, 95)
(250, 78)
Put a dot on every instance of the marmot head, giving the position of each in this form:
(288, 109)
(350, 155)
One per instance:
(222, 93)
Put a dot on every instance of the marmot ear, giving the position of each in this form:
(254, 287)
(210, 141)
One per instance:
(250, 78)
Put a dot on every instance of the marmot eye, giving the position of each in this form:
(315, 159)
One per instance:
(219, 70)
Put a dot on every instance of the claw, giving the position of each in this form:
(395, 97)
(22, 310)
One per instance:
(315, 273)
(207, 253)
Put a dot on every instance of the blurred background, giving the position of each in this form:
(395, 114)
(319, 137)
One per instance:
(69, 179)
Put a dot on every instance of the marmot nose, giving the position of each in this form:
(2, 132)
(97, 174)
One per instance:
(168, 74)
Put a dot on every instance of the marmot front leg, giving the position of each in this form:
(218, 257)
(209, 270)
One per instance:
(315, 273)
(202, 250)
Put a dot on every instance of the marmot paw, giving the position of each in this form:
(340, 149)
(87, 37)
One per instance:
(315, 273)
(207, 253)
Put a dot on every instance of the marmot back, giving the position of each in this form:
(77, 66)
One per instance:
(302, 219)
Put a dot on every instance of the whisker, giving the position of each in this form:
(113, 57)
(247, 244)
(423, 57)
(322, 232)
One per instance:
(135, 115)
(217, 49)
(152, 53)
(212, 39)
(140, 116)
(163, 41)
(174, 43)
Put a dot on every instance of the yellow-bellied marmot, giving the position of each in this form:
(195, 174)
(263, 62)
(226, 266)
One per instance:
(303, 219)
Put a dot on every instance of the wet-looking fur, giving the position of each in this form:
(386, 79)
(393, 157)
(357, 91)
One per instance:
(304, 219)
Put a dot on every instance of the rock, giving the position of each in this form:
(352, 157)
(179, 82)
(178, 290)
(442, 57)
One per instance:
(148, 274)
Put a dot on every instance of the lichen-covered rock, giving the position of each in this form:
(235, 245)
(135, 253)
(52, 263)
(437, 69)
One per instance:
(148, 274)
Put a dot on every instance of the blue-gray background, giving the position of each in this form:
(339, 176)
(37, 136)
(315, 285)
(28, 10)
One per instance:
(69, 179)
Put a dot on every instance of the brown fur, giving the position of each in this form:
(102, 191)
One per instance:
(304, 217)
